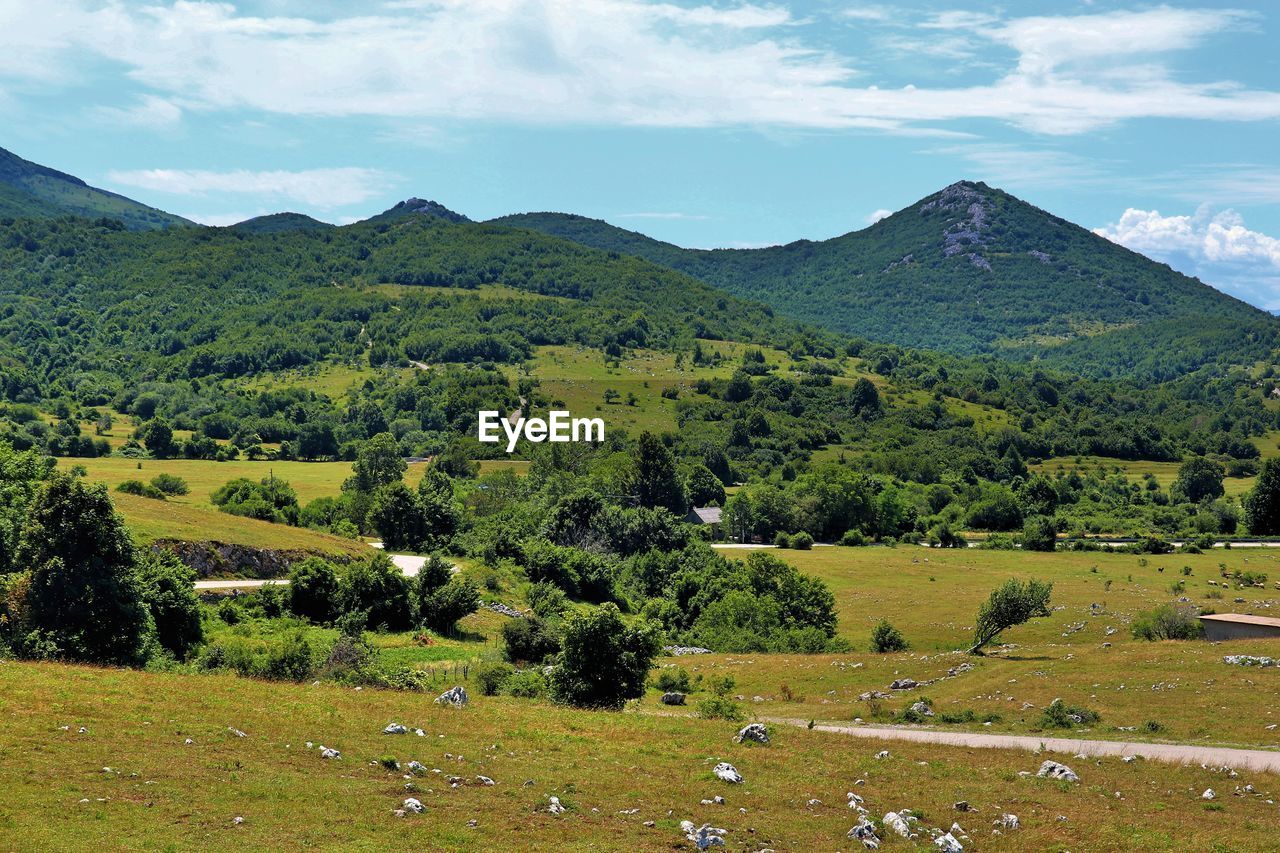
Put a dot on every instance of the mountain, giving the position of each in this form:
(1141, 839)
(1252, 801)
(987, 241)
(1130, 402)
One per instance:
(278, 223)
(419, 207)
(972, 269)
(30, 190)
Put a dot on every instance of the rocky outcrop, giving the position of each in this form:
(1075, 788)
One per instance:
(221, 559)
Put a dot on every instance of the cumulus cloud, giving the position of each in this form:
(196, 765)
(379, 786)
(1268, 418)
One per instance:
(626, 62)
(322, 188)
(876, 215)
(1216, 247)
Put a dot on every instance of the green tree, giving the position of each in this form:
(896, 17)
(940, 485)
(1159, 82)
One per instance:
(864, 398)
(157, 436)
(1198, 478)
(378, 463)
(655, 481)
(313, 589)
(1011, 604)
(603, 662)
(704, 488)
(1039, 534)
(397, 515)
(85, 596)
(1262, 504)
(169, 591)
(378, 589)
(441, 610)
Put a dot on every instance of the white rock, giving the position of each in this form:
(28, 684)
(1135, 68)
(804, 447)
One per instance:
(727, 772)
(238, 820)
(1208, 794)
(865, 832)
(896, 822)
(554, 805)
(395, 729)
(1054, 770)
(236, 732)
(413, 805)
(326, 752)
(753, 731)
(703, 837)
(882, 754)
(1008, 821)
(485, 780)
(454, 696)
(948, 844)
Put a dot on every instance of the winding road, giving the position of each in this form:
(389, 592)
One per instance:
(1171, 753)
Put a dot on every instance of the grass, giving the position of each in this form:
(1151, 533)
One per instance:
(164, 793)
(932, 595)
(1164, 472)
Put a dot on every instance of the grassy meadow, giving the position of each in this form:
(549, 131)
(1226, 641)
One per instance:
(626, 779)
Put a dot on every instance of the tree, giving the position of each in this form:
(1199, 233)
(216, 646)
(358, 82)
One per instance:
(169, 591)
(313, 590)
(864, 399)
(1011, 604)
(378, 463)
(157, 436)
(704, 488)
(396, 513)
(1039, 534)
(656, 481)
(85, 596)
(1262, 504)
(1198, 478)
(886, 638)
(441, 610)
(603, 662)
(376, 587)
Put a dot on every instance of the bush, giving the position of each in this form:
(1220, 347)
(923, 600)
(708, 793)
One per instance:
(492, 677)
(1010, 604)
(673, 680)
(781, 540)
(443, 608)
(141, 489)
(802, 541)
(603, 662)
(528, 640)
(886, 638)
(547, 599)
(720, 708)
(1039, 534)
(1168, 622)
(377, 588)
(170, 484)
(313, 590)
(853, 539)
(175, 611)
(288, 658)
(1059, 715)
(230, 612)
(527, 684)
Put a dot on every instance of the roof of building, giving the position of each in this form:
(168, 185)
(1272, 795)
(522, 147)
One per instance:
(707, 514)
(1243, 619)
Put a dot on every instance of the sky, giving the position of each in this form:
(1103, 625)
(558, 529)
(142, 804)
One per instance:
(703, 123)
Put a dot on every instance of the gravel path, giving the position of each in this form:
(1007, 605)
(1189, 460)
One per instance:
(1173, 753)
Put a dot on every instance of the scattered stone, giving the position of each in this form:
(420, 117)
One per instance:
(1248, 660)
(188, 742)
(922, 709)
(1209, 794)
(962, 806)
(485, 780)
(473, 823)
(454, 696)
(874, 694)
(672, 698)
(904, 684)
(413, 805)
(728, 773)
(554, 805)
(882, 754)
(752, 731)
(703, 837)
(896, 822)
(865, 831)
(1129, 759)
(236, 732)
(505, 610)
(948, 844)
(678, 651)
(419, 733)
(326, 752)
(1054, 770)
(395, 729)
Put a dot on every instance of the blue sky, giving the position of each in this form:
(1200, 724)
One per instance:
(702, 123)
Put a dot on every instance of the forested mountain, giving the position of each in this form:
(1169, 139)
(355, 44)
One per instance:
(29, 189)
(277, 222)
(972, 269)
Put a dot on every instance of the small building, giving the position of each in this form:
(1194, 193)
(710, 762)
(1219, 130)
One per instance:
(708, 515)
(1239, 626)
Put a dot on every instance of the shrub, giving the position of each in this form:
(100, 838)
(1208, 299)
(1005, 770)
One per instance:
(288, 658)
(170, 484)
(547, 599)
(886, 638)
(378, 588)
(313, 590)
(1010, 604)
(802, 541)
(853, 539)
(1039, 534)
(175, 611)
(441, 610)
(526, 684)
(1058, 715)
(230, 612)
(141, 489)
(528, 640)
(1168, 622)
(493, 676)
(603, 661)
(782, 540)
(669, 680)
(720, 708)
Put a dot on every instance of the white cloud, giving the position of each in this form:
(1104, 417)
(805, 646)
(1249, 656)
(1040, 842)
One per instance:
(626, 62)
(151, 112)
(322, 188)
(1216, 247)
(876, 215)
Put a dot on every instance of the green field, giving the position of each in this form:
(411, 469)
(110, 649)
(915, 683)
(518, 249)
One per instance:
(163, 793)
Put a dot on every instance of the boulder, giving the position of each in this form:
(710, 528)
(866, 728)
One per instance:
(1209, 794)
(395, 729)
(904, 684)
(413, 805)
(752, 731)
(703, 837)
(326, 752)
(948, 844)
(896, 822)
(1007, 821)
(454, 696)
(554, 805)
(1054, 770)
(922, 709)
(672, 698)
(865, 831)
(726, 772)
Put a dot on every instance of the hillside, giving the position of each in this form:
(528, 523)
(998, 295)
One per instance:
(972, 269)
(275, 223)
(29, 189)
